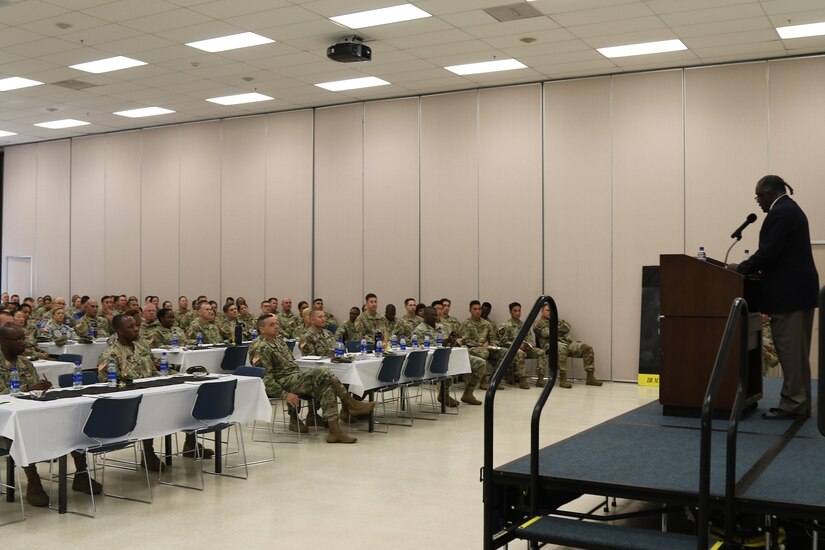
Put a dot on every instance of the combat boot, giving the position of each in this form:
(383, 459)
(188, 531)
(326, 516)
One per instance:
(152, 463)
(450, 401)
(189, 448)
(469, 398)
(336, 435)
(315, 419)
(35, 495)
(357, 408)
(81, 477)
(591, 379)
(484, 383)
(564, 382)
(523, 384)
(540, 382)
(510, 379)
(295, 425)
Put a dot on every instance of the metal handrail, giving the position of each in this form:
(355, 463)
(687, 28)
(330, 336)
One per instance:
(489, 402)
(738, 316)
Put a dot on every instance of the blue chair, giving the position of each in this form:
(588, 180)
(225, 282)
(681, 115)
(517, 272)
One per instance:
(110, 424)
(214, 404)
(388, 375)
(89, 377)
(438, 374)
(248, 370)
(70, 358)
(234, 357)
(256, 372)
(9, 484)
(414, 372)
(354, 346)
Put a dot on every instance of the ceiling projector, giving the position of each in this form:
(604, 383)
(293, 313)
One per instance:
(351, 50)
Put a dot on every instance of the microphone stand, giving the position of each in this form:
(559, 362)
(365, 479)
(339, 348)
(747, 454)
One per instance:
(738, 238)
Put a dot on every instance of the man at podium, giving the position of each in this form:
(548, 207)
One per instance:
(790, 285)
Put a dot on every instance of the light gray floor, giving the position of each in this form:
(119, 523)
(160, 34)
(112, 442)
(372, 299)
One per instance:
(412, 488)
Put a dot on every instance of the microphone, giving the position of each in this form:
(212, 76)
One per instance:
(738, 233)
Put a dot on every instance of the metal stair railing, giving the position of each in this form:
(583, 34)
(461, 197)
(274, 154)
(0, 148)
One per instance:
(489, 402)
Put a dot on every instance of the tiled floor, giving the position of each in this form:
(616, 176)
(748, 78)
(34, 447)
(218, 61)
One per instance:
(412, 488)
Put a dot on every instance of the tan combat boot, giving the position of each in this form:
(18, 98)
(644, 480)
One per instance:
(450, 401)
(523, 384)
(35, 495)
(357, 408)
(564, 382)
(591, 379)
(336, 435)
(295, 425)
(540, 382)
(469, 398)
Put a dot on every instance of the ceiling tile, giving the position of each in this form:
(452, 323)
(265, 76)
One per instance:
(616, 13)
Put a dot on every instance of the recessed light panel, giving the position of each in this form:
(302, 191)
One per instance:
(240, 98)
(59, 124)
(144, 111)
(486, 67)
(16, 82)
(4, 133)
(231, 42)
(108, 65)
(352, 84)
(801, 31)
(645, 48)
(381, 16)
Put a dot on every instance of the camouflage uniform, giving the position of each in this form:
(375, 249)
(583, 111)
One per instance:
(406, 325)
(81, 328)
(284, 376)
(54, 331)
(331, 320)
(24, 368)
(320, 343)
(32, 349)
(346, 332)
(291, 324)
(227, 330)
(422, 329)
(183, 317)
(451, 326)
(158, 336)
(209, 332)
(507, 334)
(249, 320)
(132, 362)
(147, 329)
(567, 347)
(478, 366)
(474, 334)
(367, 324)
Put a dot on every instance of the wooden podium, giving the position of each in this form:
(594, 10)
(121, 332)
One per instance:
(696, 297)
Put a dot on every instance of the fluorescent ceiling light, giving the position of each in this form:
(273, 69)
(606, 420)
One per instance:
(4, 133)
(352, 84)
(65, 123)
(240, 98)
(382, 16)
(16, 82)
(644, 48)
(801, 31)
(231, 42)
(108, 65)
(486, 67)
(144, 111)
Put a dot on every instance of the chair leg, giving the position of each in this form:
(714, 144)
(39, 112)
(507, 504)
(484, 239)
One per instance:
(12, 487)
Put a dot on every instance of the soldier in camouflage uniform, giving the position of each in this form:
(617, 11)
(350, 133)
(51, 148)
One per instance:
(134, 360)
(230, 321)
(346, 332)
(100, 326)
(405, 325)
(41, 310)
(769, 357)
(161, 334)
(318, 340)
(31, 348)
(55, 326)
(245, 316)
(370, 322)
(479, 336)
(452, 325)
(332, 322)
(300, 333)
(507, 335)
(477, 366)
(291, 324)
(567, 348)
(150, 321)
(184, 315)
(284, 379)
(205, 325)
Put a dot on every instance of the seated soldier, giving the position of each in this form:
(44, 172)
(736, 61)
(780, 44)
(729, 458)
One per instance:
(91, 326)
(567, 348)
(507, 334)
(204, 325)
(481, 338)
(231, 319)
(346, 332)
(161, 334)
(284, 379)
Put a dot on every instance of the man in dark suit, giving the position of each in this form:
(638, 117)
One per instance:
(790, 285)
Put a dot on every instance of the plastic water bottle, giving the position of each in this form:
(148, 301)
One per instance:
(403, 343)
(77, 376)
(747, 255)
(427, 340)
(439, 338)
(91, 331)
(111, 373)
(164, 365)
(414, 341)
(254, 334)
(339, 348)
(379, 347)
(363, 345)
(199, 338)
(701, 255)
(14, 381)
(394, 340)
(64, 332)
(175, 340)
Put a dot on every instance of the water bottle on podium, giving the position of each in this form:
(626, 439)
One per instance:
(14, 381)
(77, 376)
(164, 365)
(111, 373)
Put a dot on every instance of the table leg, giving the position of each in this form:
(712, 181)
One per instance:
(62, 485)
(167, 445)
(443, 391)
(218, 453)
(10, 479)
(372, 413)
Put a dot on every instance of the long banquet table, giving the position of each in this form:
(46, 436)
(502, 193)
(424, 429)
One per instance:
(90, 352)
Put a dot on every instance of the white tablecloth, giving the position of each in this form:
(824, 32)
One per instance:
(362, 374)
(90, 352)
(42, 430)
(209, 358)
(52, 369)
